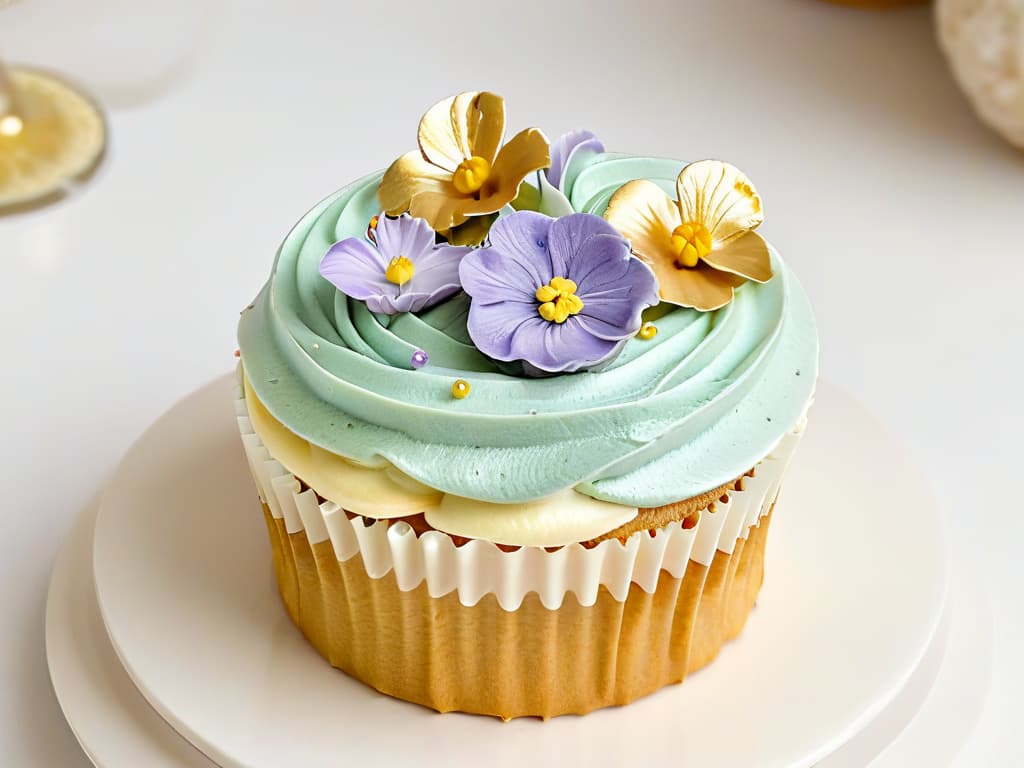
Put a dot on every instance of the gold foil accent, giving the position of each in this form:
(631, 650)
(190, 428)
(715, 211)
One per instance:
(701, 246)
(461, 168)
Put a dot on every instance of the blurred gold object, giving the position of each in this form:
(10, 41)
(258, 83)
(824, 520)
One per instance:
(701, 245)
(50, 134)
(877, 5)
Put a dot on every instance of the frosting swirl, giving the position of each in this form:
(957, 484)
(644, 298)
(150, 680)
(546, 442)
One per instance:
(670, 418)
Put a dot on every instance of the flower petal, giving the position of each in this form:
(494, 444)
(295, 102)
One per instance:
(746, 256)
(356, 269)
(569, 249)
(472, 232)
(383, 304)
(409, 177)
(514, 266)
(615, 294)
(646, 217)
(455, 129)
(524, 153)
(437, 268)
(493, 326)
(559, 347)
(719, 196)
(563, 149)
(519, 245)
(479, 123)
(410, 300)
(404, 236)
(445, 208)
(441, 209)
(702, 288)
(437, 138)
(443, 293)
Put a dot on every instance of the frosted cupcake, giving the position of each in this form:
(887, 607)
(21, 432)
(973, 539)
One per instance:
(518, 415)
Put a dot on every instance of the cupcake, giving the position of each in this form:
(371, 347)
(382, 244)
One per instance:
(518, 414)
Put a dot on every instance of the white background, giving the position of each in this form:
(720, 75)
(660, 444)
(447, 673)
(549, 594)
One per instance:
(900, 213)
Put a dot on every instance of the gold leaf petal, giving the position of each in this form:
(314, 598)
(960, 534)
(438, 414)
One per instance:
(472, 232)
(441, 209)
(408, 177)
(524, 153)
(746, 256)
(646, 217)
(436, 135)
(479, 123)
(719, 196)
(702, 288)
(449, 130)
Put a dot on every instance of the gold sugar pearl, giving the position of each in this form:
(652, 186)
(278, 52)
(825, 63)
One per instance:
(648, 331)
(460, 389)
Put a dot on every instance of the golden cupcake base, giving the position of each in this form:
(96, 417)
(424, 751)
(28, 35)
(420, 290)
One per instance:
(532, 661)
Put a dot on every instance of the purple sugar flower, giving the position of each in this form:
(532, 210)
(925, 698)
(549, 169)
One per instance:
(560, 295)
(403, 271)
(563, 149)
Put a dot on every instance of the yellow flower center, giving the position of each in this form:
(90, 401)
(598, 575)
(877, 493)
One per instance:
(558, 300)
(400, 270)
(648, 331)
(471, 175)
(691, 242)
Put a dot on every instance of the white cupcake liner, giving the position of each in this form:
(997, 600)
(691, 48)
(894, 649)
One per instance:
(478, 568)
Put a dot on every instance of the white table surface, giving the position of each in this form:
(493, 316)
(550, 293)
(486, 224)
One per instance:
(229, 119)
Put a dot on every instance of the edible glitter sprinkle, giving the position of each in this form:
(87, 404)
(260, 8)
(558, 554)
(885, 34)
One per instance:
(419, 358)
(316, 347)
(648, 331)
(460, 389)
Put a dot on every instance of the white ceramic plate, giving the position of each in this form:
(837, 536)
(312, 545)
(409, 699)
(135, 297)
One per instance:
(852, 599)
(116, 726)
(110, 718)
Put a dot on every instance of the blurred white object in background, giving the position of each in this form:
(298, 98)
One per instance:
(984, 42)
(126, 52)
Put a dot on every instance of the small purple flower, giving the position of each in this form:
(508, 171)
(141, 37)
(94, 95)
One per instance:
(560, 295)
(403, 271)
(563, 149)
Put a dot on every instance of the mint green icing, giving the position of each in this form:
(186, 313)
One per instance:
(687, 411)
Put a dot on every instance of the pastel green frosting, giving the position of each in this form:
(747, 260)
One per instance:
(671, 417)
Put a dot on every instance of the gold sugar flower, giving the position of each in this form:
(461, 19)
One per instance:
(702, 245)
(461, 168)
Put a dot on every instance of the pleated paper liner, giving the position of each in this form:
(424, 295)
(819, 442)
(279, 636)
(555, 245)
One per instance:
(528, 632)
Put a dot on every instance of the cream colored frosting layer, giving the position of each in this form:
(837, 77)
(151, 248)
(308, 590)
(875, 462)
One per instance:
(479, 567)
(384, 492)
